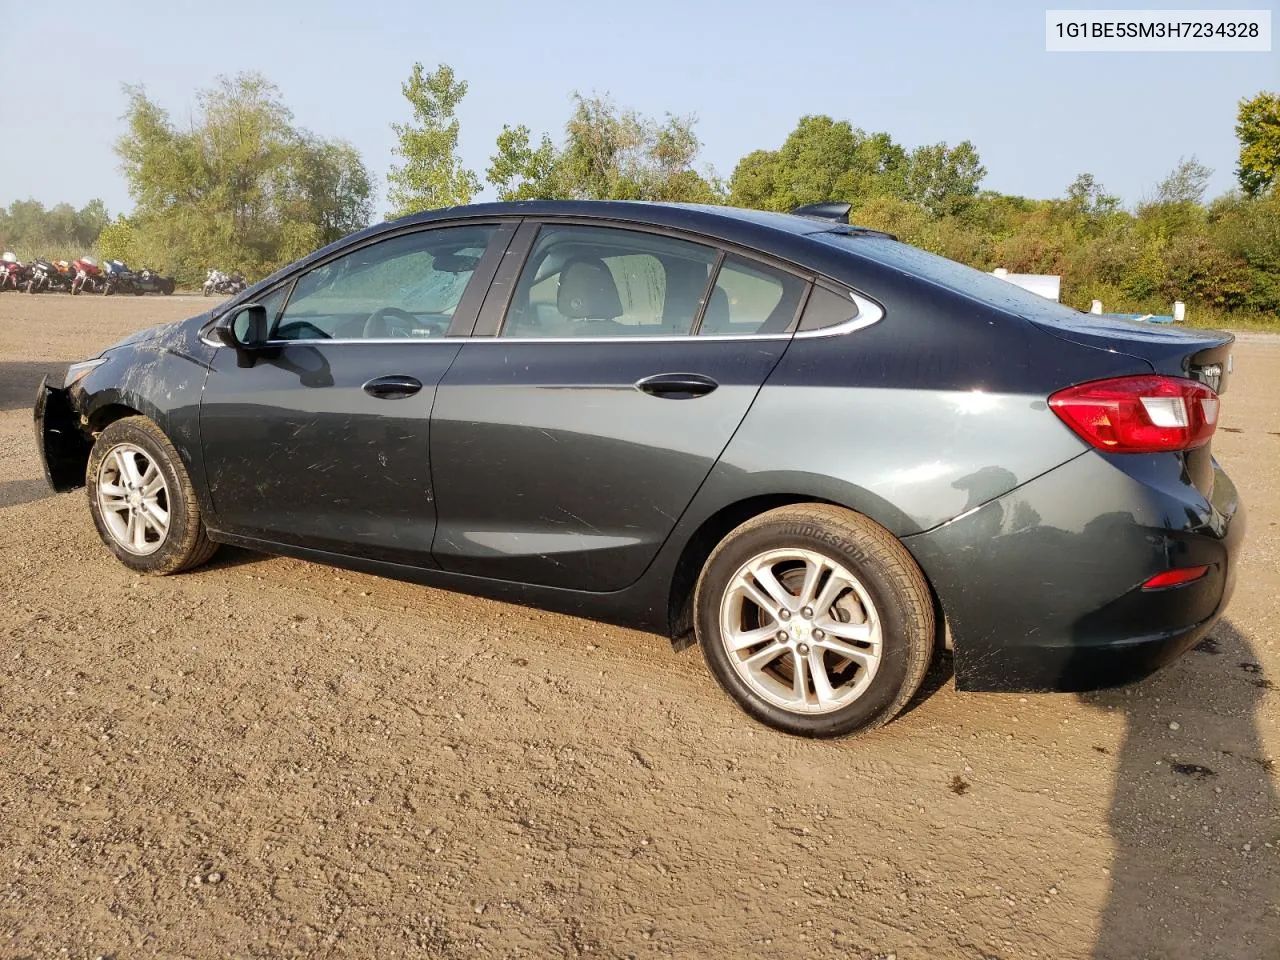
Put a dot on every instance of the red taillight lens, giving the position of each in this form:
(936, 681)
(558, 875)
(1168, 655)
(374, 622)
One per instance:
(1175, 578)
(1152, 414)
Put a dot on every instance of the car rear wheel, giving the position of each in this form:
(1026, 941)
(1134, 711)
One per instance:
(815, 620)
(142, 500)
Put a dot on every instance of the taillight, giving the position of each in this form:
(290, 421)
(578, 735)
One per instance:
(1144, 414)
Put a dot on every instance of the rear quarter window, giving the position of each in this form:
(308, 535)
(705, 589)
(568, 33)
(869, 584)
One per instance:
(826, 308)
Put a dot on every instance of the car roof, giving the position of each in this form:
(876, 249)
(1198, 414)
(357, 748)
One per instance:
(727, 222)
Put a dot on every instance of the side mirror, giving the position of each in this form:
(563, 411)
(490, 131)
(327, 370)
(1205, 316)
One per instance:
(244, 330)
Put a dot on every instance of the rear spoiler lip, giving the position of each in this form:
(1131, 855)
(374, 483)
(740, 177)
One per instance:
(1177, 352)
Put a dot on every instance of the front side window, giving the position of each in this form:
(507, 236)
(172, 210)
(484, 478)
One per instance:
(407, 286)
(751, 298)
(606, 282)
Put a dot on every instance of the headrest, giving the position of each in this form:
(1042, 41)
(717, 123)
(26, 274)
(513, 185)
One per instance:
(587, 292)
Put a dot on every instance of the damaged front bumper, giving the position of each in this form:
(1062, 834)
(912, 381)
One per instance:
(64, 450)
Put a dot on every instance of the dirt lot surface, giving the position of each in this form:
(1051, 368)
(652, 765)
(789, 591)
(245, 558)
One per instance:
(268, 758)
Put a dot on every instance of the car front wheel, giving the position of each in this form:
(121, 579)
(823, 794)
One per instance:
(815, 620)
(142, 500)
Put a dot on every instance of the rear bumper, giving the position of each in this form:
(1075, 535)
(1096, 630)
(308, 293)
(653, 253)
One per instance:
(63, 449)
(1042, 587)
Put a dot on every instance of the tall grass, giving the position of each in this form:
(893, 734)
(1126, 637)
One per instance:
(57, 252)
(1215, 319)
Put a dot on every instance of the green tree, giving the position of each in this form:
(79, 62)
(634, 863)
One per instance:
(1185, 184)
(608, 153)
(241, 188)
(521, 172)
(1258, 129)
(754, 182)
(119, 241)
(431, 175)
(29, 227)
(821, 159)
(944, 179)
(1176, 206)
(1087, 198)
(325, 193)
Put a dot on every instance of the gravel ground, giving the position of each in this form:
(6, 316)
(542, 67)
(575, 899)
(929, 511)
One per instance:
(269, 758)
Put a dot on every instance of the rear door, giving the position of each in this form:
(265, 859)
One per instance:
(604, 380)
(322, 440)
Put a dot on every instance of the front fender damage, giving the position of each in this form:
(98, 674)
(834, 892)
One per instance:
(63, 449)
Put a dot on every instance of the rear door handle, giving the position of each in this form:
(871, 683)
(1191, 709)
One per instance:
(393, 387)
(677, 386)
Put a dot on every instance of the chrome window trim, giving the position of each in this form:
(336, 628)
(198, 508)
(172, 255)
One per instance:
(677, 338)
(868, 313)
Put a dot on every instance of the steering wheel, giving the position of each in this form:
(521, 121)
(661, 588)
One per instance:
(376, 326)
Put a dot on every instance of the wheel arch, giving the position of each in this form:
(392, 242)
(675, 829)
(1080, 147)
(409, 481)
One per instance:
(108, 413)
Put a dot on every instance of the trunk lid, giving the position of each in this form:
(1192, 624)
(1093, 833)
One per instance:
(1203, 355)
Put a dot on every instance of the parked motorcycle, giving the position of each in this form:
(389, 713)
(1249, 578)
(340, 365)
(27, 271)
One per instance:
(88, 276)
(45, 276)
(13, 272)
(147, 280)
(116, 278)
(225, 284)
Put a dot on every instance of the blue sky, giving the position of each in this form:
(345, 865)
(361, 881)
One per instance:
(923, 71)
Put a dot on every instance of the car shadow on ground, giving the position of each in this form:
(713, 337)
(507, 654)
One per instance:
(940, 672)
(19, 378)
(14, 493)
(1194, 815)
(228, 557)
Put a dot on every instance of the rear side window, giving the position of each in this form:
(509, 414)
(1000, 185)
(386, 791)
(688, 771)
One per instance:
(751, 298)
(605, 282)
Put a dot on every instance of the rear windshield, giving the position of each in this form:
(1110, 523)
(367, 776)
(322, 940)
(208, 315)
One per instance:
(955, 276)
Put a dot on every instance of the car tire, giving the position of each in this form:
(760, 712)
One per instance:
(135, 479)
(858, 580)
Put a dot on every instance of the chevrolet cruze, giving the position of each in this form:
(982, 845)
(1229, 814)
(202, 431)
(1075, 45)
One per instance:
(819, 453)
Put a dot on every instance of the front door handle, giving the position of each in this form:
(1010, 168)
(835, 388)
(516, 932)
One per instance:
(393, 387)
(677, 386)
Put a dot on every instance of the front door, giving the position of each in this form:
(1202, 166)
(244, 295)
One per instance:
(565, 448)
(323, 441)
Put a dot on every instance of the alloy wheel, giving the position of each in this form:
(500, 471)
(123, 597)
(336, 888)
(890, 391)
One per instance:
(133, 499)
(801, 630)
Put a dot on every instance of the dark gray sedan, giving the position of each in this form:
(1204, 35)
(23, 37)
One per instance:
(820, 453)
